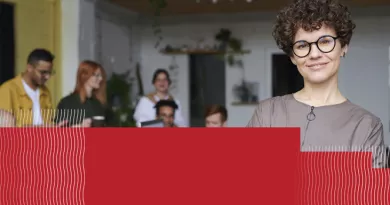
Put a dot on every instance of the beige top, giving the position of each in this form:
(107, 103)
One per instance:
(340, 127)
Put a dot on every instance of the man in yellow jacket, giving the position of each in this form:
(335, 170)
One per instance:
(26, 97)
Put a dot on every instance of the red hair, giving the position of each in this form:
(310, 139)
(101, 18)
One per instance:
(85, 71)
(215, 109)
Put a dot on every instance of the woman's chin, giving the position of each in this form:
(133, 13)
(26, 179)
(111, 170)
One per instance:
(318, 79)
(162, 90)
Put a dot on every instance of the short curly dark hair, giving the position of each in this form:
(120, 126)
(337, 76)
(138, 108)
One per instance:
(311, 15)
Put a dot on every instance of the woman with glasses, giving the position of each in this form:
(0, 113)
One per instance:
(316, 34)
(87, 103)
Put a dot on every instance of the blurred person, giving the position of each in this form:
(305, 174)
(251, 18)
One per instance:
(216, 116)
(88, 100)
(26, 97)
(145, 109)
(316, 34)
(165, 110)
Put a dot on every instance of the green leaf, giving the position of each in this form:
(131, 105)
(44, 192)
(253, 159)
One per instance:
(235, 44)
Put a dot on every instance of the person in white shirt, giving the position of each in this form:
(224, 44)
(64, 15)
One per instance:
(145, 109)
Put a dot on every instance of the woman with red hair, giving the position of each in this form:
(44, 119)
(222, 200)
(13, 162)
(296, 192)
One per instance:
(88, 99)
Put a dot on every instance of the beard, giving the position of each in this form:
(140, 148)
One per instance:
(38, 81)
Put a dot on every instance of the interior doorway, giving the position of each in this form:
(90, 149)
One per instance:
(285, 76)
(7, 42)
(207, 85)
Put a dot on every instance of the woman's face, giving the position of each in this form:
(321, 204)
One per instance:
(318, 66)
(95, 79)
(161, 83)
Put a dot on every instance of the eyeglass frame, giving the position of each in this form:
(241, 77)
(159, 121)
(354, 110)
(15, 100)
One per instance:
(45, 72)
(316, 43)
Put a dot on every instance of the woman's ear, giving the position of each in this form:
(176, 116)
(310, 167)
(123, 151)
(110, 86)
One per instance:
(344, 51)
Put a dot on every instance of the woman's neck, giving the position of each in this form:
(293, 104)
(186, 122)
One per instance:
(161, 95)
(320, 94)
(88, 91)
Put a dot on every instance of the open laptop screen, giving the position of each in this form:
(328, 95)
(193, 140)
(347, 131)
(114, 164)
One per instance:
(151, 123)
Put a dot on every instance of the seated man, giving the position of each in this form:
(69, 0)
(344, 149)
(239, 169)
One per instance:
(165, 110)
(216, 116)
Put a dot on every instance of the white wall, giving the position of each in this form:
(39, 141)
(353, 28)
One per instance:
(363, 75)
(70, 43)
(87, 29)
(115, 47)
(117, 30)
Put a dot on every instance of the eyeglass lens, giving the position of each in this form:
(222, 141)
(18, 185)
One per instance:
(45, 72)
(325, 44)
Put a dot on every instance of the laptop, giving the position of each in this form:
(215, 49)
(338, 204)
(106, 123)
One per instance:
(151, 123)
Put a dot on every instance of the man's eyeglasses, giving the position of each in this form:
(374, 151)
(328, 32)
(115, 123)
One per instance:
(325, 44)
(46, 72)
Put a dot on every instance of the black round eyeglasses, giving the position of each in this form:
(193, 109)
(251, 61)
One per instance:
(325, 44)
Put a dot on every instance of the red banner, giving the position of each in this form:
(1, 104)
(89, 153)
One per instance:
(180, 166)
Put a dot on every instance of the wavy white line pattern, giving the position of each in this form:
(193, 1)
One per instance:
(42, 165)
(334, 175)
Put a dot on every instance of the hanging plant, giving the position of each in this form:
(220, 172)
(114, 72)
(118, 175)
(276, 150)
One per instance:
(157, 6)
(229, 43)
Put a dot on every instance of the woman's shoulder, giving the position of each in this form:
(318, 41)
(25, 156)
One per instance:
(363, 115)
(70, 101)
(70, 96)
(269, 108)
(145, 99)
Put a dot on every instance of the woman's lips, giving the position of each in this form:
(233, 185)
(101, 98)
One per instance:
(316, 66)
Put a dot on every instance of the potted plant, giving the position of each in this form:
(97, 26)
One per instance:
(119, 98)
(229, 43)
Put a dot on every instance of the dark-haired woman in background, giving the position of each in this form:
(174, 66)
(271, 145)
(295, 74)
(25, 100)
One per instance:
(316, 34)
(88, 99)
(145, 109)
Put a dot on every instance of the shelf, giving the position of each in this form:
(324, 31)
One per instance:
(209, 52)
(244, 103)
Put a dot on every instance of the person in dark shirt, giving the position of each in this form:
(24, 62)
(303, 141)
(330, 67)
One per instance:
(88, 100)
